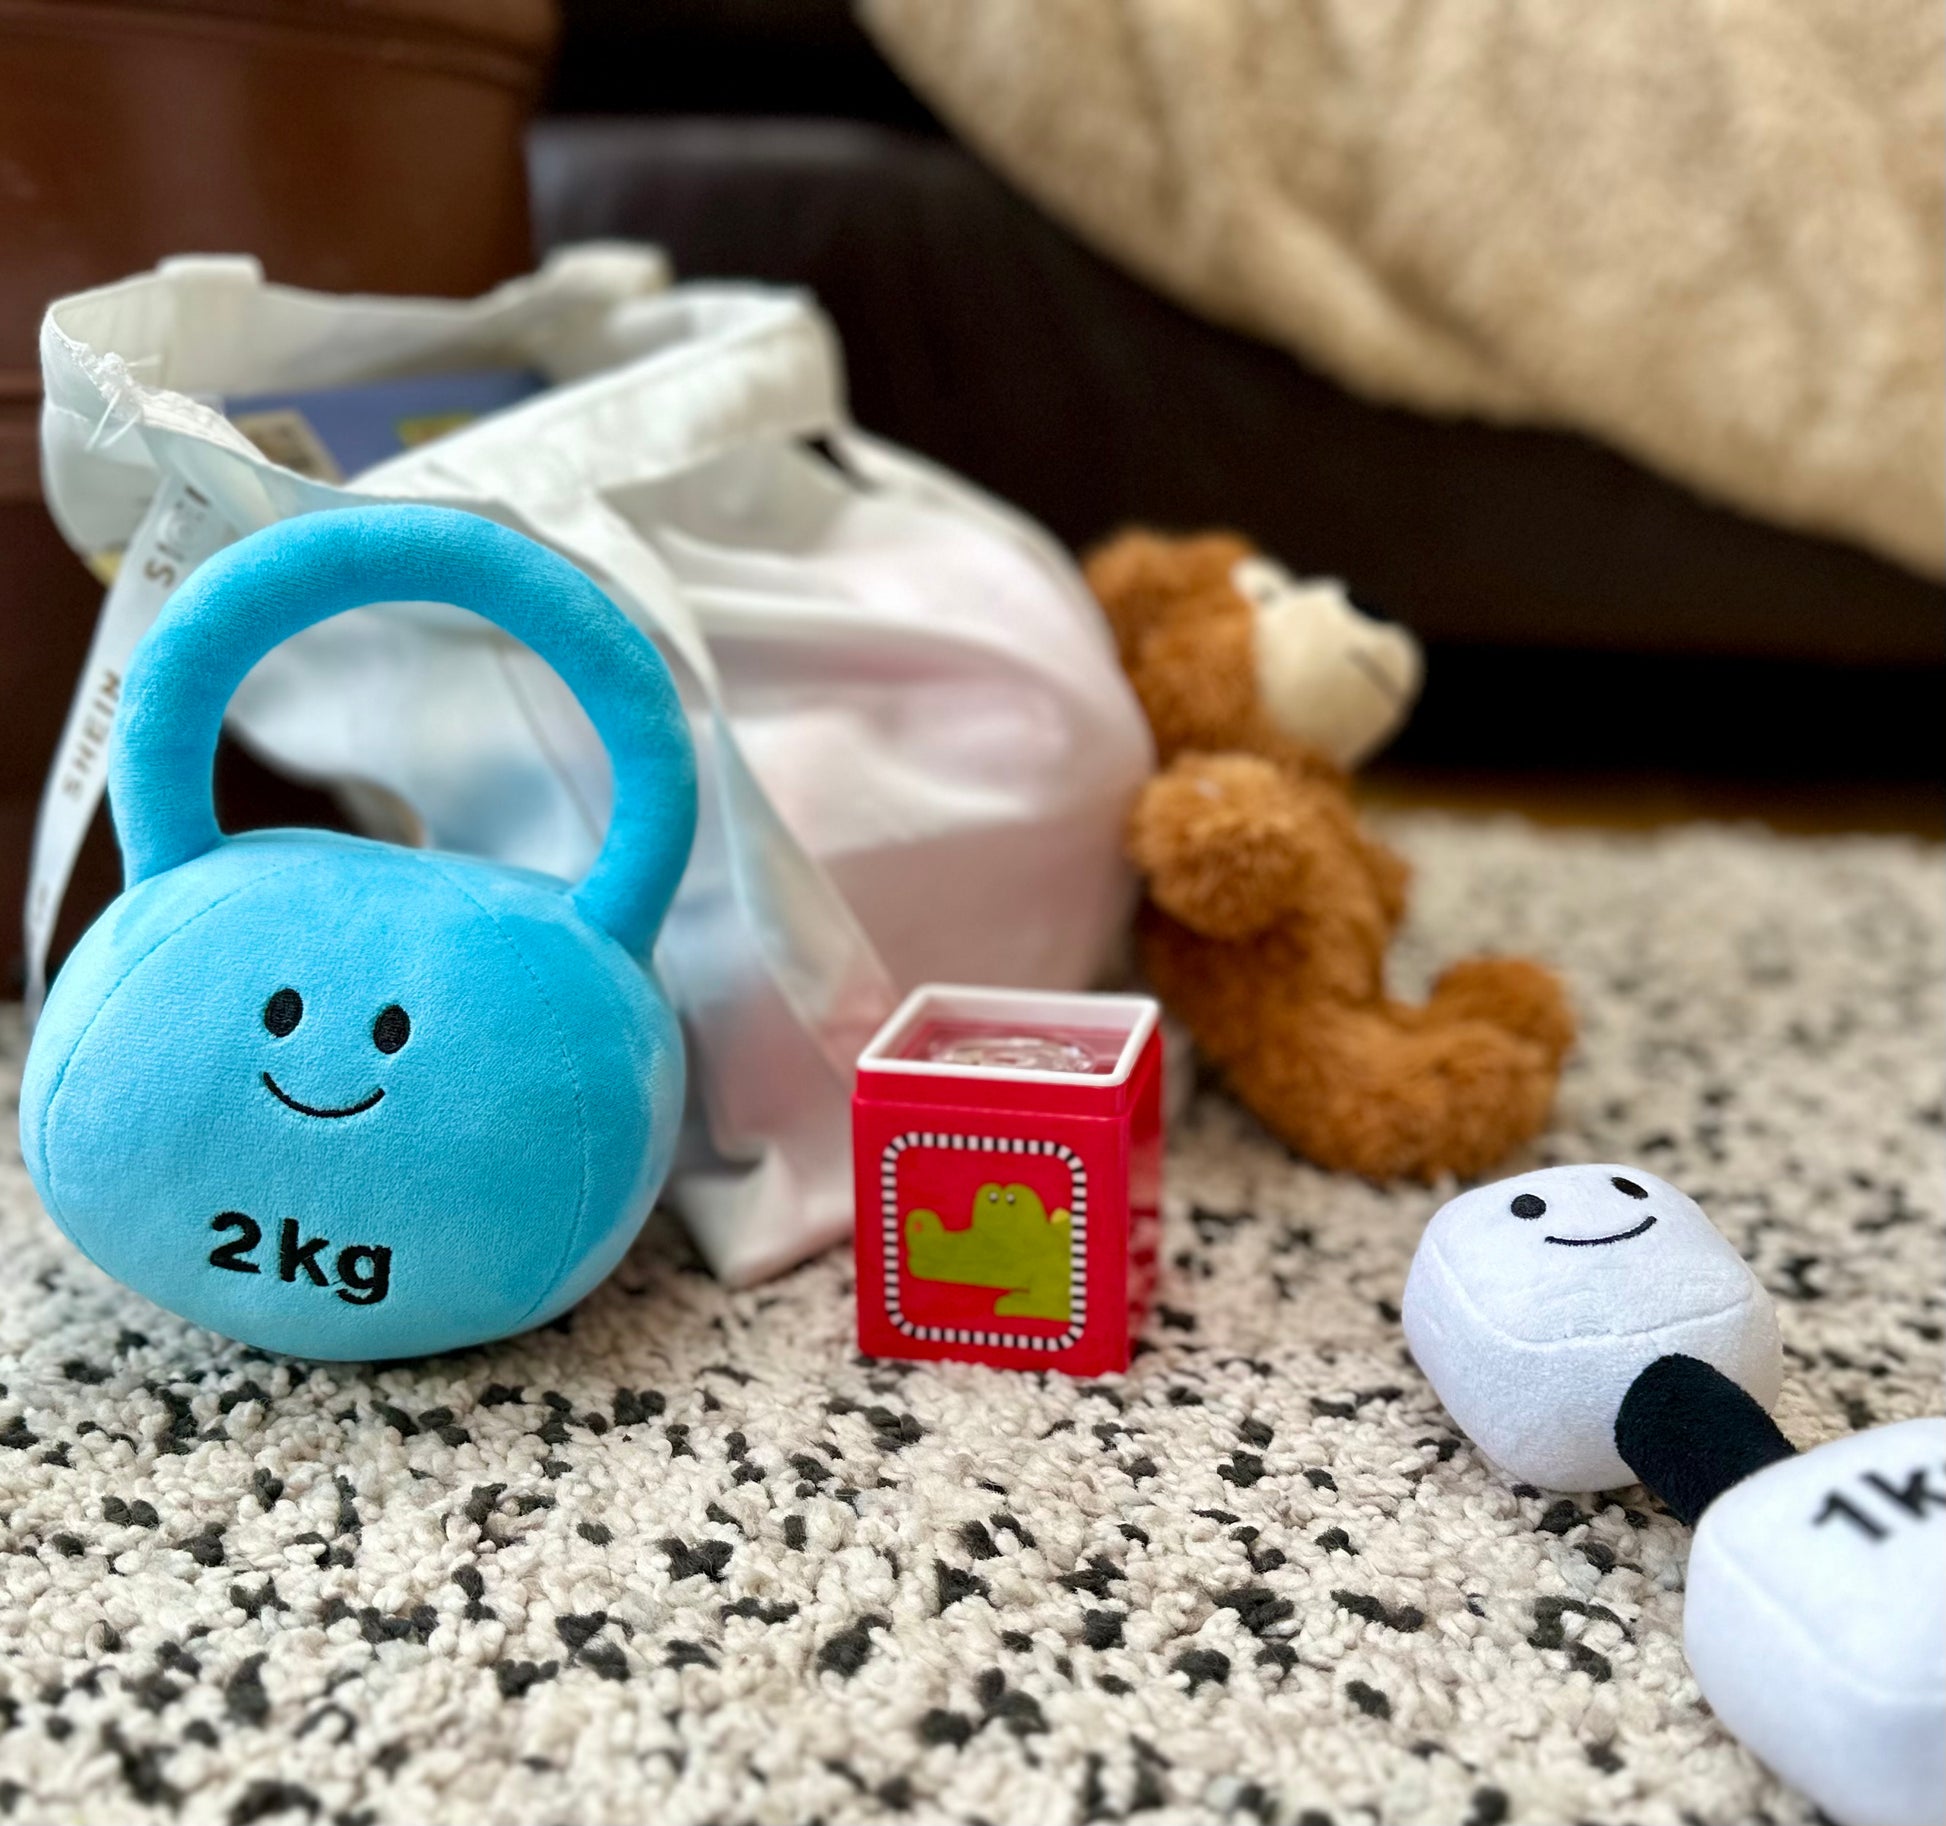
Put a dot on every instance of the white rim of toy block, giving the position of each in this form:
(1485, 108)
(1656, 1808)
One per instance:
(888, 1171)
(1131, 1016)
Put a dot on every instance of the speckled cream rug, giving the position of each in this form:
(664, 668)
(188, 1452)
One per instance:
(684, 1558)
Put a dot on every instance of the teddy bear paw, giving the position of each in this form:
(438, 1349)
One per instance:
(1511, 993)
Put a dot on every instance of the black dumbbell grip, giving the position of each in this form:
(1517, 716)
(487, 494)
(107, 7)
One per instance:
(1689, 1433)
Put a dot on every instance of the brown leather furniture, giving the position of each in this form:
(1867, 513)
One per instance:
(351, 144)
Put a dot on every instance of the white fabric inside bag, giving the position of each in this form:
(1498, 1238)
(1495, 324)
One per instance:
(916, 746)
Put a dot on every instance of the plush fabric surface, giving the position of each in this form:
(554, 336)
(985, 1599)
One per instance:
(487, 1163)
(1822, 1642)
(479, 1178)
(251, 597)
(1533, 1348)
(1709, 234)
(682, 1557)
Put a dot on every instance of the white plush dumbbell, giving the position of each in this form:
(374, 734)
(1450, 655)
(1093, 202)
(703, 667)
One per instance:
(1588, 1327)
(1815, 1612)
(1533, 1303)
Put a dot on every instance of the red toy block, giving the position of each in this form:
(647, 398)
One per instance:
(1007, 1148)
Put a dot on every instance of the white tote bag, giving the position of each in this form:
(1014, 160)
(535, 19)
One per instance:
(916, 746)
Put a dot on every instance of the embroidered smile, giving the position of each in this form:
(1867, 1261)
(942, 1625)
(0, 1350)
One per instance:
(1594, 1242)
(353, 1109)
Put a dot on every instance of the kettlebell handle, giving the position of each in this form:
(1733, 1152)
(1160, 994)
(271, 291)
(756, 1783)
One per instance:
(253, 595)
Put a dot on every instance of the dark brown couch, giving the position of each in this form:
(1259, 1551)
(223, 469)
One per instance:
(1579, 609)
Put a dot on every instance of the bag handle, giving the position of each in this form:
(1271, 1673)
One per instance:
(724, 365)
(247, 599)
(737, 364)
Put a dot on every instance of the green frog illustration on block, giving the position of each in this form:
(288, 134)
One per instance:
(1012, 1243)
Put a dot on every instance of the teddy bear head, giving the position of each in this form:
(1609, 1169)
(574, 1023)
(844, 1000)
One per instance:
(1227, 650)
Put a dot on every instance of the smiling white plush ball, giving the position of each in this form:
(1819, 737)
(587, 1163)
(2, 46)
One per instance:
(1534, 1302)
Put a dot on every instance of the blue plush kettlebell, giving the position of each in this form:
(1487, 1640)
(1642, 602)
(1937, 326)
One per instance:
(337, 1098)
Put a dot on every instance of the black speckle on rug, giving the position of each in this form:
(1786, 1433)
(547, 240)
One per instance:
(689, 1558)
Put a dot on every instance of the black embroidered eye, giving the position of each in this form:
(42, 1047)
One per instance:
(392, 1028)
(283, 1012)
(1629, 1186)
(1527, 1205)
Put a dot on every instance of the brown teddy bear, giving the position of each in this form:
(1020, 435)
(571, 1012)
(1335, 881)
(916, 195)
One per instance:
(1269, 910)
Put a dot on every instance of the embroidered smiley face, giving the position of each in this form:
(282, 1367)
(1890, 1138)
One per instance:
(283, 1013)
(1585, 1251)
(1530, 1205)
